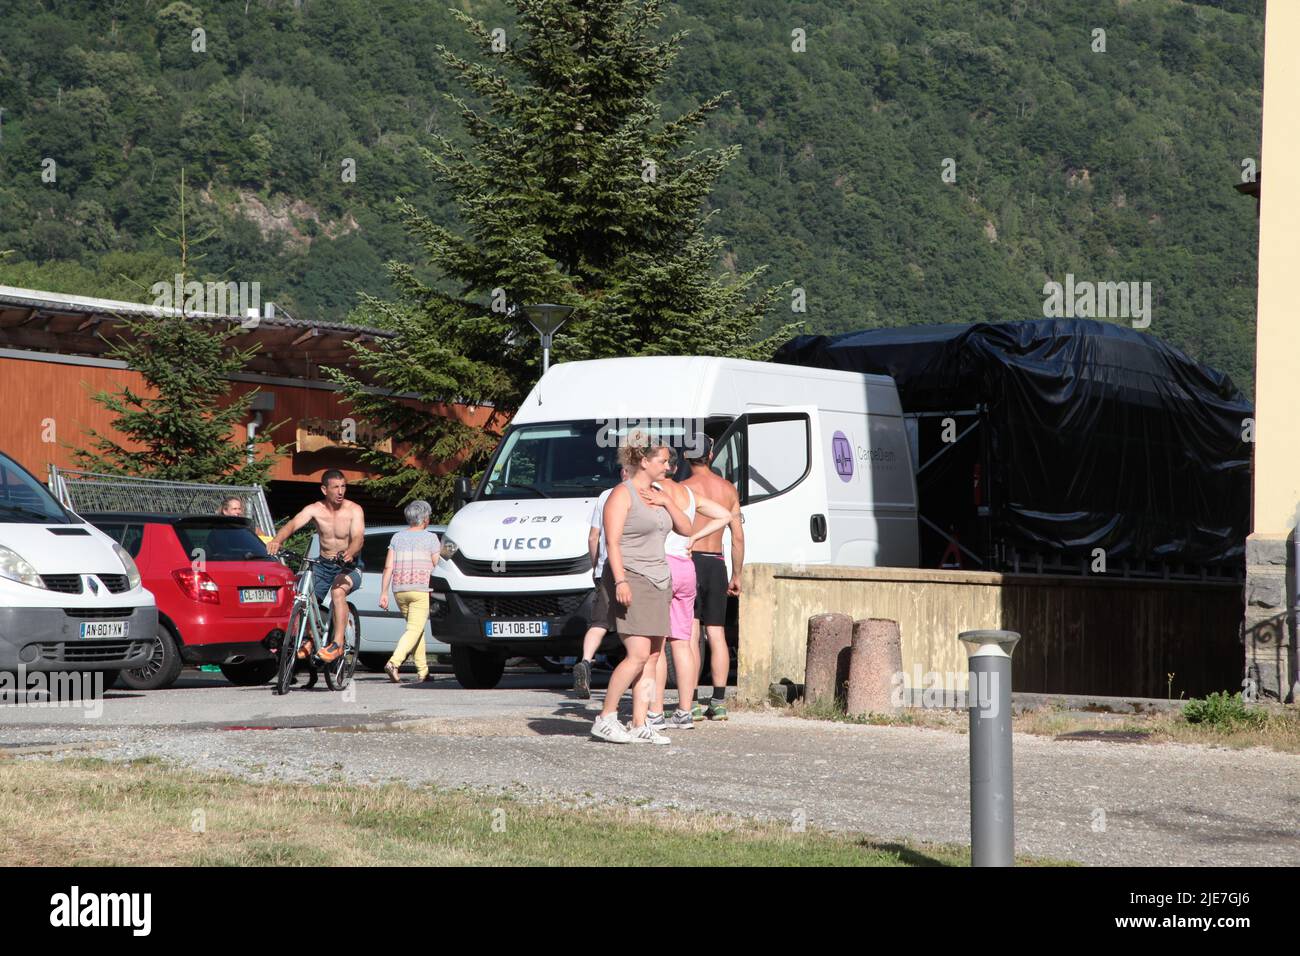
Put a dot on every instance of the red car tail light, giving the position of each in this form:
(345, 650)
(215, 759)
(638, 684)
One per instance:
(197, 585)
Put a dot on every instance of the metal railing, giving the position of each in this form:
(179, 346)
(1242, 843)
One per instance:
(88, 491)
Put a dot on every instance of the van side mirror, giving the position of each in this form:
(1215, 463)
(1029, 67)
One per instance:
(461, 492)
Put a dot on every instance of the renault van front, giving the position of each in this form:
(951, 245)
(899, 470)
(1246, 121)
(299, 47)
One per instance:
(70, 597)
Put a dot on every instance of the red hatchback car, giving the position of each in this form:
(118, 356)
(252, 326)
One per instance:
(221, 598)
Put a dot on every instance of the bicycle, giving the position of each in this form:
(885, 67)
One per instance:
(309, 620)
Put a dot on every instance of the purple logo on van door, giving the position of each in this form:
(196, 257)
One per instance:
(842, 452)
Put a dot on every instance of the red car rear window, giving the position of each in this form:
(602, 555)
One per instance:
(221, 542)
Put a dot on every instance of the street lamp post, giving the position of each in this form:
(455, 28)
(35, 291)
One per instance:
(546, 319)
(992, 797)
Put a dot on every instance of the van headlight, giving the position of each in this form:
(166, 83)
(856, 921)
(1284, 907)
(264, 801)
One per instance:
(17, 568)
(449, 548)
(128, 562)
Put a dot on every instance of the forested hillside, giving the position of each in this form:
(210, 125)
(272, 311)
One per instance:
(1113, 166)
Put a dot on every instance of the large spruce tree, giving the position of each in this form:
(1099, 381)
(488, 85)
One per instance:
(574, 190)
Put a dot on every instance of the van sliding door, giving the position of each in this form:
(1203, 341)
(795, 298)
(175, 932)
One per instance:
(770, 457)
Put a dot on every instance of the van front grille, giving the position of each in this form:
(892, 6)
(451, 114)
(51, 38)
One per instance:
(63, 583)
(99, 613)
(523, 605)
(503, 567)
(116, 583)
(90, 652)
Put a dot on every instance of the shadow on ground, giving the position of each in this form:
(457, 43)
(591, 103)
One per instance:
(906, 854)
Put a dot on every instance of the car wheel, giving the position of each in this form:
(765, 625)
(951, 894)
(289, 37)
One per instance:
(373, 662)
(163, 668)
(475, 669)
(249, 673)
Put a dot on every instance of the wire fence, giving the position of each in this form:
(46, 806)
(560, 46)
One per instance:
(89, 492)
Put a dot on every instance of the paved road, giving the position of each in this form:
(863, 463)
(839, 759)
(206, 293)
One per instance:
(1097, 803)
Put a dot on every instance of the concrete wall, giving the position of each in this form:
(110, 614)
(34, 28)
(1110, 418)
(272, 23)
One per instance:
(1078, 635)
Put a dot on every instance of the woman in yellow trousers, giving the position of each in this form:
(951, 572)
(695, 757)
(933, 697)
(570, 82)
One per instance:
(411, 556)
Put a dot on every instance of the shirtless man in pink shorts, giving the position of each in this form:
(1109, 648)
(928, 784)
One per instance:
(681, 613)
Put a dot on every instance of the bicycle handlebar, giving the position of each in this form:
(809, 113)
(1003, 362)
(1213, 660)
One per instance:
(294, 557)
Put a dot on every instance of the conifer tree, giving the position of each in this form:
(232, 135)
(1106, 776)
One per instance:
(574, 190)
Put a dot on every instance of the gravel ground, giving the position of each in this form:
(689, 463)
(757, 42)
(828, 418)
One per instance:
(1092, 802)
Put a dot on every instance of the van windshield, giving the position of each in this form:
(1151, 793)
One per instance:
(575, 459)
(24, 500)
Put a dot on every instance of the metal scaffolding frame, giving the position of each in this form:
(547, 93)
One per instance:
(88, 491)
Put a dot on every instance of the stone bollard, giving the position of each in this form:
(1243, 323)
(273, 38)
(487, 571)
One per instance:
(827, 670)
(877, 656)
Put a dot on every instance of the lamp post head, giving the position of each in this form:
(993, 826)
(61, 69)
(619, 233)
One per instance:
(546, 317)
(989, 643)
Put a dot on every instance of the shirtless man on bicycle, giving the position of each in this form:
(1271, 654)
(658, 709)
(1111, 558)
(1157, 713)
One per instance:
(342, 529)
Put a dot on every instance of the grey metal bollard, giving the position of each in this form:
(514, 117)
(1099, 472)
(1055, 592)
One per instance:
(992, 797)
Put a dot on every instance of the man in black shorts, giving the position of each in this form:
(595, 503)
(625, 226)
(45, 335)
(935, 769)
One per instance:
(711, 585)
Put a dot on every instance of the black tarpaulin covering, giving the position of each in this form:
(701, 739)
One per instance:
(1094, 436)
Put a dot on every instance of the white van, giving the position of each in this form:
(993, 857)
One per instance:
(820, 458)
(70, 596)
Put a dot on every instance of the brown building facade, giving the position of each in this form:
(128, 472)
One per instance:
(53, 362)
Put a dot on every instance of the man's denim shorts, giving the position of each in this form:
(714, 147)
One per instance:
(323, 576)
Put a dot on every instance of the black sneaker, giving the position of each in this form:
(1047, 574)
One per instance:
(582, 679)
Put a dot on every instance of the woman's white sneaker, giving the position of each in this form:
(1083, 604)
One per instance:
(607, 727)
(645, 734)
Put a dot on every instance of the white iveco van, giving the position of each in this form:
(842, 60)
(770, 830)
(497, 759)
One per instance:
(820, 458)
(70, 596)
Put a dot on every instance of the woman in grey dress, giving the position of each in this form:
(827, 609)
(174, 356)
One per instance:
(638, 517)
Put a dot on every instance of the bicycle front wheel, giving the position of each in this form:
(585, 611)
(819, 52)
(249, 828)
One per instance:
(289, 645)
